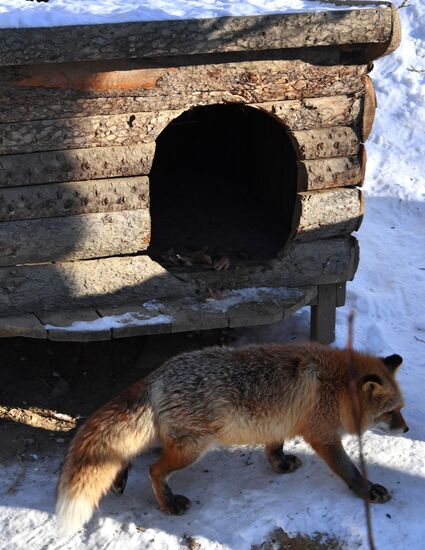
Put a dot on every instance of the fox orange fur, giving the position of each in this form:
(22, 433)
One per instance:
(259, 394)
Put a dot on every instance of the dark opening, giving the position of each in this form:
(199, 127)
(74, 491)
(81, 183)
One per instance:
(223, 183)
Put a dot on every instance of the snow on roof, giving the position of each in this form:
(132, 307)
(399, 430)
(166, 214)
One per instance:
(50, 13)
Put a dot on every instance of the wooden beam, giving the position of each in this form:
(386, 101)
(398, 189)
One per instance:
(323, 315)
(76, 164)
(84, 284)
(193, 36)
(74, 237)
(331, 172)
(46, 92)
(327, 213)
(317, 112)
(22, 325)
(338, 141)
(301, 263)
(66, 199)
(71, 133)
(79, 325)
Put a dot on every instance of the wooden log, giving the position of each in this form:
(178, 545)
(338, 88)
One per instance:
(320, 112)
(193, 36)
(80, 90)
(369, 107)
(76, 164)
(66, 199)
(74, 237)
(135, 320)
(331, 172)
(376, 50)
(327, 213)
(71, 133)
(339, 141)
(91, 283)
(302, 263)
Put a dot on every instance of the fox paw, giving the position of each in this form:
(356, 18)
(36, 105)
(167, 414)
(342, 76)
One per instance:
(287, 464)
(177, 505)
(378, 493)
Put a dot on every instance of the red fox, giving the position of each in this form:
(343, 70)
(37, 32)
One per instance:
(259, 394)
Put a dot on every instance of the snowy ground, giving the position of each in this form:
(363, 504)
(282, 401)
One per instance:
(237, 499)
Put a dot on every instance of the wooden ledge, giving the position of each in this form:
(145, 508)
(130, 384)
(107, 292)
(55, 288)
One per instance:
(231, 308)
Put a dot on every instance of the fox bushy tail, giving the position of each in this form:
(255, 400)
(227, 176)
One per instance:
(102, 447)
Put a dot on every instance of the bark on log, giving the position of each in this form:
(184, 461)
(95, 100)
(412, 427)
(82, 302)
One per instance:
(193, 36)
(302, 263)
(325, 142)
(75, 90)
(74, 237)
(66, 199)
(320, 112)
(369, 107)
(71, 133)
(92, 283)
(332, 172)
(327, 213)
(76, 164)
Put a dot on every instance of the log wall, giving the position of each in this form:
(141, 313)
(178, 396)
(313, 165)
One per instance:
(77, 143)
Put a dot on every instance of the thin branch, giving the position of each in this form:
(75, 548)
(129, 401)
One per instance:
(355, 404)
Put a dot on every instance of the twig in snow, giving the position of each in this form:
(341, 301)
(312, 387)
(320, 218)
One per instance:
(355, 404)
(19, 478)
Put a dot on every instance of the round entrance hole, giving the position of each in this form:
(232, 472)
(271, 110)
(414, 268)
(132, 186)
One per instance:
(223, 183)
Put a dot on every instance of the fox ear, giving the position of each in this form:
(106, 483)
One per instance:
(370, 383)
(392, 362)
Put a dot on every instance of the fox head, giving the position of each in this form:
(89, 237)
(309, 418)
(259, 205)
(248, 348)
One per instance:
(381, 398)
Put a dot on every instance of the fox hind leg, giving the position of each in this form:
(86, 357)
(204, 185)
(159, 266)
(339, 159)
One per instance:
(175, 455)
(120, 481)
(281, 462)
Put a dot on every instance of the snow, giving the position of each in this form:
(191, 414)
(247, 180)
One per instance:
(237, 501)
(22, 13)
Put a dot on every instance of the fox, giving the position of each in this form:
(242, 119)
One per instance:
(260, 394)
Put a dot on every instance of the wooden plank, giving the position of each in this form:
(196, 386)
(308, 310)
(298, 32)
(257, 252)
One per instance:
(135, 320)
(369, 107)
(331, 172)
(76, 165)
(74, 237)
(302, 263)
(338, 141)
(91, 283)
(191, 314)
(79, 325)
(193, 36)
(45, 92)
(98, 131)
(318, 112)
(340, 294)
(323, 315)
(22, 325)
(327, 213)
(66, 199)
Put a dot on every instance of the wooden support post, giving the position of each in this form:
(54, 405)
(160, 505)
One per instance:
(323, 315)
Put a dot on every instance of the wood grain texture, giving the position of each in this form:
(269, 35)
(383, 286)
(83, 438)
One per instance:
(80, 90)
(91, 283)
(337, 141)
(75, 164)
(193, 36)
(369, 107)
(74, 237)
(302, 263)
(319, 112)
(331, 172)
(327, 213)
(66, 199)
(98, 131)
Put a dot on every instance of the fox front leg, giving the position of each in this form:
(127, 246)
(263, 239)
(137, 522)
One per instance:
(338, 460)
(281, 462)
